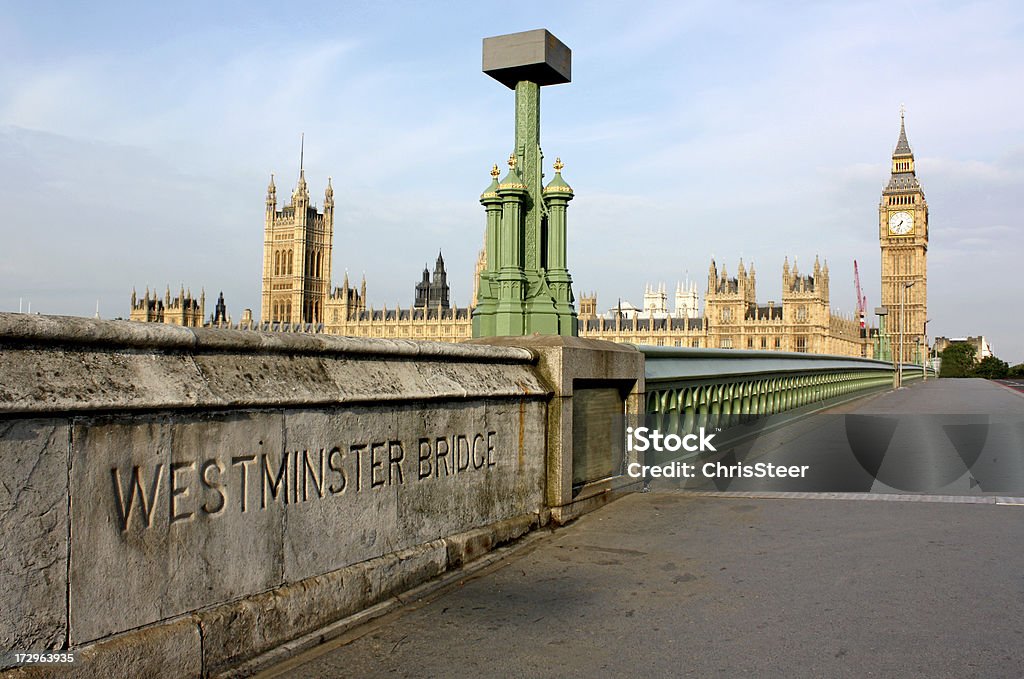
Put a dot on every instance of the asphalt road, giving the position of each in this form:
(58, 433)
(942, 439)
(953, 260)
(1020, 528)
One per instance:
(1017, 384)
(670, 584)
(685, 583)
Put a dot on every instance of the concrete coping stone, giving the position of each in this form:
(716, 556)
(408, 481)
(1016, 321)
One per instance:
(70, 331)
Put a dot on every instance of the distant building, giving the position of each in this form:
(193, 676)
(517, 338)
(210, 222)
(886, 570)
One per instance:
(184, 309)
(732, 318)
(687, 303)
(903, 237)
(220, 312)
(655, 300)
(982, 349)
(433, 293)
(297, 244)
(297, 292)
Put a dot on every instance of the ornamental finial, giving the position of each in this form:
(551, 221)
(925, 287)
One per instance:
(495, 172)
(903, 109)
(558, 165)
(512, 160)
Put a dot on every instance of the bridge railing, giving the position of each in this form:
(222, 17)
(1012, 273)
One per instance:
(720, 388)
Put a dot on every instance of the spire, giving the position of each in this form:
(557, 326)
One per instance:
(902, 145)
(271, 195)
(904, 176)
(300, 188)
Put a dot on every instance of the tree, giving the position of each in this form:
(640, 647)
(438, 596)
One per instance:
(957, 360)
(991, 368)
(1016, 371)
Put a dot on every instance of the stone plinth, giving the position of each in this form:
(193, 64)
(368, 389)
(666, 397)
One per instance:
(598, 390)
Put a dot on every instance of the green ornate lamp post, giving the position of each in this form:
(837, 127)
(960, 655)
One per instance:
(526, 287)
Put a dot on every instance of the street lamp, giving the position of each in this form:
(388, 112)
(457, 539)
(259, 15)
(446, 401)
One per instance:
(903, 324)
(927, 351)
(884, 335)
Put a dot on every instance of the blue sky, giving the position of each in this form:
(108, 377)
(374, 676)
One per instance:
(136, 144)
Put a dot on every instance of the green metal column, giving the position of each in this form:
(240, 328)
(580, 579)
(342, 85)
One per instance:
(557, 195)
(526, 288)
(508, 317)
(483, 315)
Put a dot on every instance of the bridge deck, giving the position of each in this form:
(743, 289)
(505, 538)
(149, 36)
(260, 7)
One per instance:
(673, 583)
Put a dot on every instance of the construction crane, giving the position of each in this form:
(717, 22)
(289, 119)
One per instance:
(862, 300)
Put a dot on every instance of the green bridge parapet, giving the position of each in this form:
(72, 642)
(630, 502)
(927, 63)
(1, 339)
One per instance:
(687, 389)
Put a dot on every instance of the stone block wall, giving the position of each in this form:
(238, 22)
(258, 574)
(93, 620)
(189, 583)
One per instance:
(177, 501)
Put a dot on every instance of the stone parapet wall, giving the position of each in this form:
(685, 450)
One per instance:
(185, 499)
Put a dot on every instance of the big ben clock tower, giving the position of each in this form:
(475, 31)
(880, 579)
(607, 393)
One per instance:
(903, 236)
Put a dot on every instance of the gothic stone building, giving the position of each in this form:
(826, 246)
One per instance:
(184, 309)
(903, 237)
(733, 319)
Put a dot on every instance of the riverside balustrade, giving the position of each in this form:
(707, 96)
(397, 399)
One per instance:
(720, 388)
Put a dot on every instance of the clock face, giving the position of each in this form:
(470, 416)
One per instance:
(901, 223)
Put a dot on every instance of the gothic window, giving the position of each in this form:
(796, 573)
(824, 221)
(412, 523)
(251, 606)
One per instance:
(801, 313)
(695, 344)
(277, 263)
(778, 343)
(801, 344)
(290, 259)
(288, 308)
(726, 343)
(764, 342)
(726, 314)
(750, 343)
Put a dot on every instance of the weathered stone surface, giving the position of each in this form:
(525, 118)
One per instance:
(159, 517)
(339, 518)
(42, 380)
(33, 533)
(493, 470)
(160, 520)
(241, 630)
(131, 366)
(169, 651)
(471, 545)
(392, 479)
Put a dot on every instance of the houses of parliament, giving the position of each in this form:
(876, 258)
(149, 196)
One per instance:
(297, 292)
